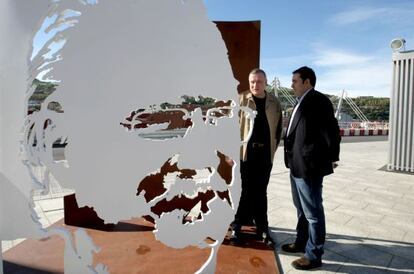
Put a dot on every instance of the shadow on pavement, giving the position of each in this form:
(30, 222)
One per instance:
(12, 268)
(351, 254)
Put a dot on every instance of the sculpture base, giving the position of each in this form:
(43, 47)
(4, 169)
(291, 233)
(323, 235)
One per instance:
(130, 247)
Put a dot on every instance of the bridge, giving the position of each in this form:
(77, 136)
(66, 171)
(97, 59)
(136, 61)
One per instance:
(361, 127)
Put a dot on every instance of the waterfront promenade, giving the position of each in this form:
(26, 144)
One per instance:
(369, 212)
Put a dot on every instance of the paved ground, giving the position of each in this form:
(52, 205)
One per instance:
(49, 208)
(369, 212)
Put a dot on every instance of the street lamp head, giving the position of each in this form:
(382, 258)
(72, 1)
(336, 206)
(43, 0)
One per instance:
(397, 44)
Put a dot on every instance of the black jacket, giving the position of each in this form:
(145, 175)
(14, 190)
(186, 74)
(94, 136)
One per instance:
(313, 141)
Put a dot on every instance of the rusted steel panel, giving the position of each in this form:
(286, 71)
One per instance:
(243, 44)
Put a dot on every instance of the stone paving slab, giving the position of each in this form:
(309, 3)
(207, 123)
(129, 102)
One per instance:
(369, 212)
(50, 204)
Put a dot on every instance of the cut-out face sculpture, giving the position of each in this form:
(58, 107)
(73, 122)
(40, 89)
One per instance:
(185, 196)
(147, 104)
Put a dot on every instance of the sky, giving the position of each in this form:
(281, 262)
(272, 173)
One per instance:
(346, 42)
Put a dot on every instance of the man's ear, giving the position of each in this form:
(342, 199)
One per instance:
(307, 82)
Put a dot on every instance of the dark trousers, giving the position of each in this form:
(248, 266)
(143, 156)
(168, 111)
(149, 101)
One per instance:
(255, 173)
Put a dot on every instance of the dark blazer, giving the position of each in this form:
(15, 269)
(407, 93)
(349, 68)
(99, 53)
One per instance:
(313, 141)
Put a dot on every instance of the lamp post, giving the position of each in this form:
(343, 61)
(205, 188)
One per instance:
(401, 140)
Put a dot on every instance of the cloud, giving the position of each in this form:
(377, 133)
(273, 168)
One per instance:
(359, 74)
(367, 80)
(337, 69)
(357, 15)
(285, 61)
(335, 57)
(389, 15)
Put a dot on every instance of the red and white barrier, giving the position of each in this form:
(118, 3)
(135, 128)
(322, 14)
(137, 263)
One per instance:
(362, 132)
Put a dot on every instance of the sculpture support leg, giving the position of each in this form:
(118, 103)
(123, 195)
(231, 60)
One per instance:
(210, 265)
(1, 259)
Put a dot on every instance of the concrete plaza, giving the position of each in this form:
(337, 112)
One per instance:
(369, 213)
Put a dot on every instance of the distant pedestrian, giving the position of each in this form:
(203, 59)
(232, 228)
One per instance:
(311, 146)
(257, 156)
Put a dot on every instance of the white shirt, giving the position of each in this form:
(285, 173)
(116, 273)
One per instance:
(296, 108)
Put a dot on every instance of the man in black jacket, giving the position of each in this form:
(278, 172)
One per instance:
(311, 151)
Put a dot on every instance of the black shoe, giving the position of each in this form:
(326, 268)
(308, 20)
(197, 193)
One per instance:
(304, 263)
(265, 238)
(293, 248)
(236, 226)
(236, 237)
(268, 240)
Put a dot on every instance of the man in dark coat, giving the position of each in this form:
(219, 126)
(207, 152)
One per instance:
(311, 148)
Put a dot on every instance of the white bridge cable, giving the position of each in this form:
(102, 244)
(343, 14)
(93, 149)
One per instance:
(344, 96)
(357, 110)
(284, 91)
